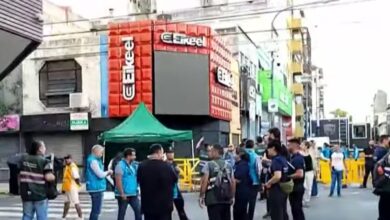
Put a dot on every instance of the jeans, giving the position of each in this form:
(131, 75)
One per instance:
(277, 203)
(37, 207)
(219, 212)
(296, 205)
(133, 201)
(252, 201)
(97, 202)
(337, 177)
(314, 189)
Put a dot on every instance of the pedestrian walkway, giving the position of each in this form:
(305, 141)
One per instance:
(14, 209)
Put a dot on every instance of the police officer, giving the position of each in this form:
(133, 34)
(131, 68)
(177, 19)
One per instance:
(369, 162)
(382, 183)
(381, 150)
(298, 162)
(279, 174)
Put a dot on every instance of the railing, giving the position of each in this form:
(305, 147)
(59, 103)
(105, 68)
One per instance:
(354, 176)
(190, 178)
(189, 175)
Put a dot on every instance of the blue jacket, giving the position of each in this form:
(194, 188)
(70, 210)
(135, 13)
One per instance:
(93, 182)
(326, 152)
(252, 167)
(129, 178)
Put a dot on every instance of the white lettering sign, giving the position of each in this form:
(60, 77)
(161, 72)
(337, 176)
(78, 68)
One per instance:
(224, 77)
(183, 39)
(128, 71)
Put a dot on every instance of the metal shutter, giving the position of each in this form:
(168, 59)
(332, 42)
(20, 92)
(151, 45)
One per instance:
(63, 144)
(9, 146)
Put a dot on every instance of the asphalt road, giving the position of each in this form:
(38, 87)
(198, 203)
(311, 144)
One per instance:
(355, 204)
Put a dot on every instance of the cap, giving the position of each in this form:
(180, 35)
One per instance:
(68, 157)
(170, 150)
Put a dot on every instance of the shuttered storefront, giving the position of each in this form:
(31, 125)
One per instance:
(9, 146)
(63, 144)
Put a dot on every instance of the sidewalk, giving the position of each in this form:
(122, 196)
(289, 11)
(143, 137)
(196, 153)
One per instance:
(4, 188)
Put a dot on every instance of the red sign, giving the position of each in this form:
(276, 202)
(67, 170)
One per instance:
(131, 47)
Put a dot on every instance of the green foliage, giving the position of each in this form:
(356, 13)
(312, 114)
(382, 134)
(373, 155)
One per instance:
(339, 113)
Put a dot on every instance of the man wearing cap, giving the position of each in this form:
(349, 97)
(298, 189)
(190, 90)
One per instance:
(177, 197)
(96, 180)
(70, 186)
(156, 180)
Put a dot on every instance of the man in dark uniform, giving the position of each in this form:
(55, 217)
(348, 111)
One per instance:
(298, 162)
(383, 190)
(369, 162)
(382, 149)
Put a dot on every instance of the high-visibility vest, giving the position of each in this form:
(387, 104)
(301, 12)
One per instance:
(68, 179)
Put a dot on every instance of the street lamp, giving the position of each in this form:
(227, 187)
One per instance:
(274, 31)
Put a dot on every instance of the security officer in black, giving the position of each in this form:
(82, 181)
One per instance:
(369, 162)
(382, 177)
(279, 174)
(298, 176)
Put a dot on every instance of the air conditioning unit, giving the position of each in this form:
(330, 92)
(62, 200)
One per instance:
(78, 100)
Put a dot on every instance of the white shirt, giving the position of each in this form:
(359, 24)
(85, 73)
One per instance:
(338, 161)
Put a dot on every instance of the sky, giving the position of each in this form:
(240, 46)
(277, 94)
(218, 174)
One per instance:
(351, 43)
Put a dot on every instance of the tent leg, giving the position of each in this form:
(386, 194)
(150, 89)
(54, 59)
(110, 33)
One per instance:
(193, 151)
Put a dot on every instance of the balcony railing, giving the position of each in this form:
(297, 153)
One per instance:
(298, 132)
(294, 24)
(295, 68)
(297, 89)
(295, 46)
(299, 110)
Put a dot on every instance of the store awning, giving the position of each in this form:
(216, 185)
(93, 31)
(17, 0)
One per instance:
(142, 126)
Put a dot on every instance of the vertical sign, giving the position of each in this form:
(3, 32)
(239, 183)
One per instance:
(128, 72)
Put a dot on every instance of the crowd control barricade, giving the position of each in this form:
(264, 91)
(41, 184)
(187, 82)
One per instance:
(189, 175)
(354, 176)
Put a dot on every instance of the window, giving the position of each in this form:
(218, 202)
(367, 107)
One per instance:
(57, 79)
(359, 131)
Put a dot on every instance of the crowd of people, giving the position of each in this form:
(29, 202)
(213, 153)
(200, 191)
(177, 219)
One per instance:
(231, 178)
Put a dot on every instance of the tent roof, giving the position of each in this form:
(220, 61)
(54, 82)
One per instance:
(142, 126)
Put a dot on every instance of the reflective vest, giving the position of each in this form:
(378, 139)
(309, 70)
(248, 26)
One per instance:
(93, 182)
(129, 178)
(68, 179)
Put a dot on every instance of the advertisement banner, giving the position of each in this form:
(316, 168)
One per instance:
(9, 123)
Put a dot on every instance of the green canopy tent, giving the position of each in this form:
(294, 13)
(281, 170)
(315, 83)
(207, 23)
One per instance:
(143, 127)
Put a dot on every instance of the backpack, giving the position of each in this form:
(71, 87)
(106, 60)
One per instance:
(222, 183)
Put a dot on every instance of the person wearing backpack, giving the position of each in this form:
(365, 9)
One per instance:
(255, 177)
(296, 196)
(277, 192)
(217, 186)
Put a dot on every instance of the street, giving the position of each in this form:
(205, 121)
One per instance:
(355, 204)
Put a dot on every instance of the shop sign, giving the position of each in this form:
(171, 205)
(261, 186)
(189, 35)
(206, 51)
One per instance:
(9, 123)
(128, 72)
(272, 106)
(252, 92)
(183, 39)
(79, 121)
(224, 77)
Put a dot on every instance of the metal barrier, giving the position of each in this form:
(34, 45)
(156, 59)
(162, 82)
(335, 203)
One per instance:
(354, 175)
(189, 176)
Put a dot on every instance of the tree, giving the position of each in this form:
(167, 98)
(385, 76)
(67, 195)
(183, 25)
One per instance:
(339, 113)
